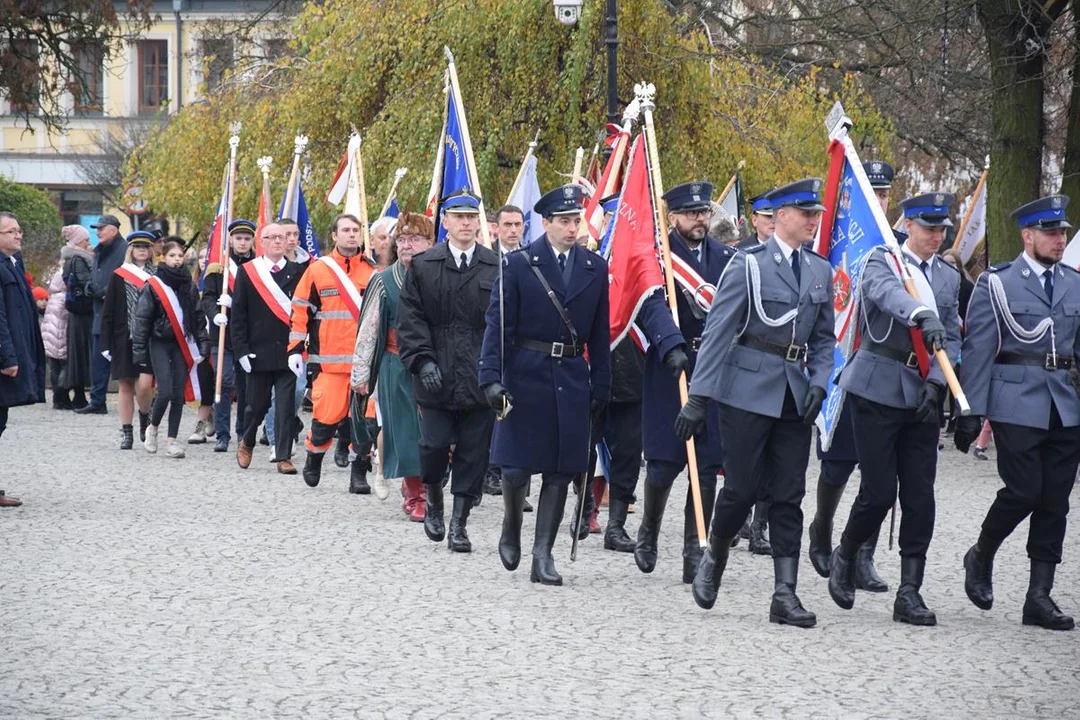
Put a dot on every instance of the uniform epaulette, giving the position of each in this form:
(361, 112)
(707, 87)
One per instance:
(817, 254)
(999, 267)
(948, 265)
(756, 249)
(1069, 267)
(213, 268)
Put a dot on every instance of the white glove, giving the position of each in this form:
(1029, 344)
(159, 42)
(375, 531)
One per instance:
(107, 355)
(220, 320)
(225, 300)
(245, 362)
(296, 364)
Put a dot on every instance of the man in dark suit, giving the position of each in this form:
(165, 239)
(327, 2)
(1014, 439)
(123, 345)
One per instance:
(261, 313)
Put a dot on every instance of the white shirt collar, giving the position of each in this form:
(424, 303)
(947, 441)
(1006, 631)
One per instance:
(1035, 266)
(506, 250)
(915, 258)
(280, 263)
(456, 252)
(785, 249)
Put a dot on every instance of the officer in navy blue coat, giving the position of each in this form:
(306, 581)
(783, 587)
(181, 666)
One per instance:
(672, 350)
(766, 359)
(839, 461)
(554, 296)
(1021, 349)
(895, 400)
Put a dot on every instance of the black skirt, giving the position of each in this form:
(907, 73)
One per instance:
(76, 373)
(123, 366)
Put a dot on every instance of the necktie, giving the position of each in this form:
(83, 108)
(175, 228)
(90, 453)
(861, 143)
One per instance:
(464, 264)
(1048, 284)
(697, 254)
(925, 267)
(274, 268)
(562, 262)
(796, 267)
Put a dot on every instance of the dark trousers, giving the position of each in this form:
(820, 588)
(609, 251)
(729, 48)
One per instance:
(59, 394)
(519, 477)
(623, 437)
(231, 377)
(770, 453)
(470, 433)
(99, 373)
(836, 473)
(170, 374)
(1039, 468)
(260, 384)
(207, 384)
(894, 450)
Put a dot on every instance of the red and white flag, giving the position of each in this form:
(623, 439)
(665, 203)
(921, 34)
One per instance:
(263, 219)
(634, 272)
(594, 214)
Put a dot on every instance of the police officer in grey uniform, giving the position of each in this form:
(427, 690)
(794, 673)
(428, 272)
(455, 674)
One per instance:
(894, 391)
(1021, 349)
(766, 357)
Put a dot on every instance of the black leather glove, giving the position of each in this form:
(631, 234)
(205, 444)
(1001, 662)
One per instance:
(967, 431)
(494, 394)
(431, 378)
(596, 411)
(933, 332)
(815, 396)
(928, 399)
(676, 360)
(691, 418)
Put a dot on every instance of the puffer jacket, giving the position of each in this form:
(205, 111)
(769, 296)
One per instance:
(152, 322)
(54, 323)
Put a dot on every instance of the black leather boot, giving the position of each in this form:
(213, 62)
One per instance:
(909, 606)
(615, 537)
(341, 452)
(866, 576)
(513, 511)
(549, 512)
(1039, 609)
(358, 484)
(433, 513)
(710, 571)
(979, 572)
(759, 544)
(458, 539)
(692, 551)
(786, 608)
(828, 499)
(590, 505)
(649, 530)
(144, 422)
(312, 472)
(842, 573)
(127, 441)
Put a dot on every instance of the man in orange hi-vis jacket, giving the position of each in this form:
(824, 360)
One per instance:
(326, 311)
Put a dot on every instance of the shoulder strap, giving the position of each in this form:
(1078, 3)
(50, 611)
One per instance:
(558, 305)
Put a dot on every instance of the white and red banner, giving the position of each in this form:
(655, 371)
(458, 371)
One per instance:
(347, 289)
(258, 271)
(133, 274)
(175, 313)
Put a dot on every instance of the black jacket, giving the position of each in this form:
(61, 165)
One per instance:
(627, 372)
(106, 259)
(212, 284)
(151, 322)
(254, 327)
(441, 319)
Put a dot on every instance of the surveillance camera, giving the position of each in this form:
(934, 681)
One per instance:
(568, 12)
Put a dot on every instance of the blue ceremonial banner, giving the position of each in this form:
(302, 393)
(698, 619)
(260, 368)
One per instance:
(455, 174)
(855, 232)
(308, 239)
(393, 211)
(524, 196)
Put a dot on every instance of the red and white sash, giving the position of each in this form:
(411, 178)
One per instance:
(690, 280)
(175, 313)
(133, 274)
(233, 269)
(346, 287)
(258, 271)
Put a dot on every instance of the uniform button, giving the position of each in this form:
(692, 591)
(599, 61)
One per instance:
(560, 389)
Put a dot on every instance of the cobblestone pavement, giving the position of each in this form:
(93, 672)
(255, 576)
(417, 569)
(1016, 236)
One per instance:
(138, 586)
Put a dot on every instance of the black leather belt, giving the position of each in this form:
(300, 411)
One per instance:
(909, 359)
(791, 353)
(551, 349)
(694, 344)
(1047, 361)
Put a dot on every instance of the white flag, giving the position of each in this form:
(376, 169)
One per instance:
(1071, 256)
(525, 196)
(975, 231)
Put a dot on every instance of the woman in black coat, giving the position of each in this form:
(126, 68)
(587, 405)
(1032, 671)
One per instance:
(154, 342)
(121, 298)
(78, 261)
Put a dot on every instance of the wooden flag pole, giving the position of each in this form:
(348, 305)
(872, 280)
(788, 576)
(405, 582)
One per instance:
(645, 94)
(234, 143)
(579, 157)
(485, 235)
(289, 210)
(365, 239)
(972, 204)
(398, 174)
(731, 182)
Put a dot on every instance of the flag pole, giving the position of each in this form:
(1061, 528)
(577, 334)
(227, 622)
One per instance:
(732, 181)
(521, 170)
(264, 164)
(972, 204)
(645, 94)
(289, 206)
(365, 239)
(435, 191)
(398, 174)
(579, 156)
(470, 161)
(234, 143)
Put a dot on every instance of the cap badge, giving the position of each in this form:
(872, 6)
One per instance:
(568, 192)
(816, 185)
(939, 199)
(695, 189)
(875, 167)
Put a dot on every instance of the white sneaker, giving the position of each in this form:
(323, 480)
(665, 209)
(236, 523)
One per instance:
(381, 486)
(150, 443)
(174, 450)
(199, 436)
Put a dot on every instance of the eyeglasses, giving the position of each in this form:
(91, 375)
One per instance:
(412, 239)
(273, 237)
(703, 212)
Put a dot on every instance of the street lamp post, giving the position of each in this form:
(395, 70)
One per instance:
(611, 40)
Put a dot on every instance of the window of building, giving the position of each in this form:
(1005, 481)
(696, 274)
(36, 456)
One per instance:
(88, 87)
(77, 205)
(24, 96)
(218, 60)
(153, 75)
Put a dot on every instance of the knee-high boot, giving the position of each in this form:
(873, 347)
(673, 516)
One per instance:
(549, 513)
(649, 530)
